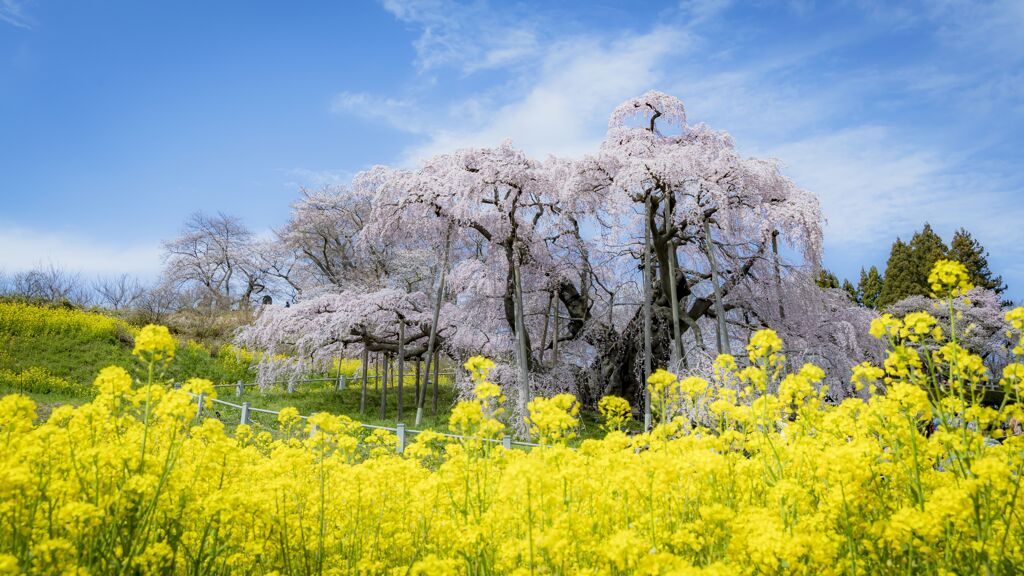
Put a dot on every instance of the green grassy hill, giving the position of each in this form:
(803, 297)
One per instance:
(53, 353)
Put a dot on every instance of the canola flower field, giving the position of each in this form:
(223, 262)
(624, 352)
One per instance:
(750, 472)
(28, 319)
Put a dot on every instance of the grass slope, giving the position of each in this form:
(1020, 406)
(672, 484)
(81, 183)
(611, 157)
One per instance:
(53, 340)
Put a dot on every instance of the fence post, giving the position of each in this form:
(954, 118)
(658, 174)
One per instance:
(245, 413)
(291, 386)
(400, 431)
(506, 442)
(199, 401)
(341, 381)
(239, 389)
(312, 430)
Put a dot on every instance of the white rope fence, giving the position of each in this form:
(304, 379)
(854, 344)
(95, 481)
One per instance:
(341, 380)
(247, 410)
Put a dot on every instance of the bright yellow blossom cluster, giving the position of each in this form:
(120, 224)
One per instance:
(616, 412)
(949, 278)
(39, 380)
(154, 344)
(922, 475)
(32, 320)
(886, 325)
(1016, 319)
(919, 325)
(554, 420)
(479, 418)
(479, 367)
(765, 344)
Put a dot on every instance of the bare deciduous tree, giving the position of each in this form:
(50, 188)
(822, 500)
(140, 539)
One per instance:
(118, 292)
(51, 283)
(159, 300)
(215, 253)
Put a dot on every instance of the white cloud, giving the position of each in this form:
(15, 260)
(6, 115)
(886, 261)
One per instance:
(24, 249)
(563, 106)
(877, 176)
(13, 13)
(397, 113)
(307, 178)
(992, 28)
(472, 37)
(874, 187)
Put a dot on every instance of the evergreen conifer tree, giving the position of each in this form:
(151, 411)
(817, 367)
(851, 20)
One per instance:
(869, 288)
(827, 279)
(906, 272)
(968, 251)
(926, 248)
(850, 289)
(900, 275)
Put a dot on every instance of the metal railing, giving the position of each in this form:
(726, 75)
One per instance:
(342, 382)
(247, 410)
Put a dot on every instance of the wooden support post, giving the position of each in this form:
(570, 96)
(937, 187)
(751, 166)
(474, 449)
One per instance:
(421, 397)
(362, 390)
(647, 314)
(437, 360)
(384, 390)
(723, 328)
(401, 367)
(677, 339)
(778, 273)
(416, 379)
(544, 331)
(524, 392)
(555, 334)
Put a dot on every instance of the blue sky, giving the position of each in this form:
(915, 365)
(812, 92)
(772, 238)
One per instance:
(119, 118)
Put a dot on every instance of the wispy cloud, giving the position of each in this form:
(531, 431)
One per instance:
(308, 178)
(13, 12)
(25, 249)
(993, 28)
(561, 107)
(469, 36)
(399, 113)
(875, 186)
(847, 127)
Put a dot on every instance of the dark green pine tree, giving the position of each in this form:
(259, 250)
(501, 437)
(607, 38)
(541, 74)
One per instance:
(869, 288)
(969, 252)
(850, 289)
(927, 248)
(906, 273)
(900, 275)
(827, 279)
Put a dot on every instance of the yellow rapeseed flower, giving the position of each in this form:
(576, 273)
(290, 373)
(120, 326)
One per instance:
(616, 412)
(113, 381)
(479, 367)
(949, 278)
(154, 344)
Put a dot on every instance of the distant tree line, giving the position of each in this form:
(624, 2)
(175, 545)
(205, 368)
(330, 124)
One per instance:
(906, 271)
